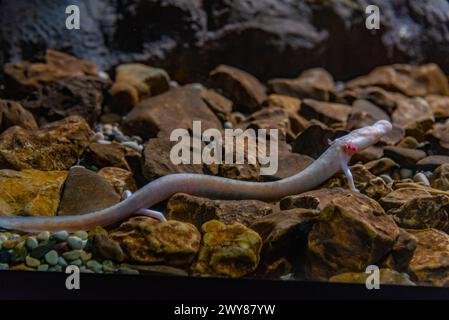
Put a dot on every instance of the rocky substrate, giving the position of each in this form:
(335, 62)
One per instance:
(74, 138)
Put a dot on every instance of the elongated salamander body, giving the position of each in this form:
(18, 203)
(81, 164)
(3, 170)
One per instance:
(336, 157)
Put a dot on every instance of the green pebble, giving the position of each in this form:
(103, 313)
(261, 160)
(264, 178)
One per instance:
(75, 242)
(43, 267)
(43, 236)
(76, 262)
(61, 235)
(4, 266)
(109, 266)
(94, 265)
(86, 256)
(42, 249)
(72, 255)
(126, 270)
(83, 235)
(19, 254)
(62, 262)
(32, 262)
(51, 257)
(31, 243)
(57, 268)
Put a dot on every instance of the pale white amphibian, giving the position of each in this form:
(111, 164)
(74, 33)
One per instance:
(336, 157)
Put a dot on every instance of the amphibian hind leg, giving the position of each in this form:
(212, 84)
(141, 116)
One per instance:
(347, 172)
(146, 212)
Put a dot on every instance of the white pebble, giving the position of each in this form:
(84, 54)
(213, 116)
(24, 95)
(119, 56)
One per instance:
(31, 243)
(61, 235)
(388, 180)
(133, 145)
(43, 236)
(97, 137)
(104, 142)
(421, 177)
(75, 242)
(3, 238)
(83, 235)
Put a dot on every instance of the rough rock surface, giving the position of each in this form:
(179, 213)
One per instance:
(440, 177)
(112, 155)
(387, 276)
(13, 113)
(120, 179)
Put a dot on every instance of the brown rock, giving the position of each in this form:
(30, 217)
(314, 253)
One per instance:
(408, 142)
(315, 199)
(439, 138)
(70, 96)
(430, 262)
(385, 100)
(196, 210)
(13, 114)
(183, 104)
(386, 276)
(402, 252)
(314, 83)
(369, 154)
(439, 106)
(55, 146)
(156, 160)
(346, 227)
(315, 140)
(135, 81)
(411, 80)
(326, 112)
(440, 177)
(399, 197)
(242, 87)
(367, 183)
(380, 166)
(394, 136)
(365, 113)
(227, 250)
(106, 248)
(290, 104)
(269, 118)
(30, 192)
(85, 191)
(221, 106)
(149, 241)
(119, 179)
(403, 156)
(112, 155)
(28, 77)
(423, 213)
(430, 163)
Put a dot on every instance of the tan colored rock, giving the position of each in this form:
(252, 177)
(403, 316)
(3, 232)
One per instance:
(439, 105)
(405, 157)
(220, 105)
(241, 86)
(290, 104)
(30, 192)
(227, 250)
(439, 138)
(314, 83)
(149, 241)
(112, 155)
(411, 80)
(430, 262)
(386, 276)
(402, 252)
(431, 163)
(55, 146)
(380, 166)
(365, 113)
(440, 177)
(86, 191)
(346, 227)
(197, 210)
(398, 197)
(289, 163)
(12, 113)
(369, 154)
(315, 199)
(326, 112)
(135, 81)
(268, 118)
(119, 179)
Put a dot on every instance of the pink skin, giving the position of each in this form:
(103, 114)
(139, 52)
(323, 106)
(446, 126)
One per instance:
(336, 157)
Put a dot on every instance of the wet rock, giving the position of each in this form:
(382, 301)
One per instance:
(119, 179)
(380, 166)
(423, 213)
(12, 113)
(26, 77)
(289, 163)
(112, 155)
(239, 85)
(268, 118)
(439, 106)
(402, 252)
(367, 183)
(291, 106)
(227, 250)
(55, 146)
(135, 81)
(408, 142)
(399, 197)
(369, 154)
(430, 262)
(183, 104)
(410, 80)
(439, 138)
(316, 199)
(394, 136)
(106, 248)
(440, 177)
(326, 112)
(314, 83)
(345, 228)
(156, 160)
(196, 210)
(220, 105)
(315, 140)
(30, 192)
(403, 156)
(85, 191)
(430, 163)
(149, 241)
(365, 113)
(386, 276)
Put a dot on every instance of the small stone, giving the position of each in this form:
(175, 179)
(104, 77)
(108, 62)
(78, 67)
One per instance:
(133, 145)
(405, 173)
(76, 262)
(126, 270)
(106, 248)
(43, 236)
(57, 268)
(109, 266)
(62, 262)
(5, 256)
(42, 249)
(75, 242)
(43, 267)
(3, 238)
(83, 235)
(31, 243)
(19, 253)
(61, 235)
(94, 265)
(85, 256)
(51, 257)
(9, 244)
(4, 266)
(72, 255)
(32, 262)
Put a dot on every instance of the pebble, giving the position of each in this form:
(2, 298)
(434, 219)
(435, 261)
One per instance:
(421, 177)
(97, 136)
(83, 235)
(83, 269)
(133, 145)
(72, 255)
(32, 262)
(94, 265)
(61, 235)
(109, 266)
(86, 256)
(3, 238)
(19, 254)
(104, 142)
(9, 244)
(31, 243)
(137, 139)
(43, 267)
(388, 180)
(43, 247)
(62, 262)
(43, 236)
(51, 257)
(76, 262)
(75, 242)
(228, 125)
(406, 173)
(126, 270)
(4, 266)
